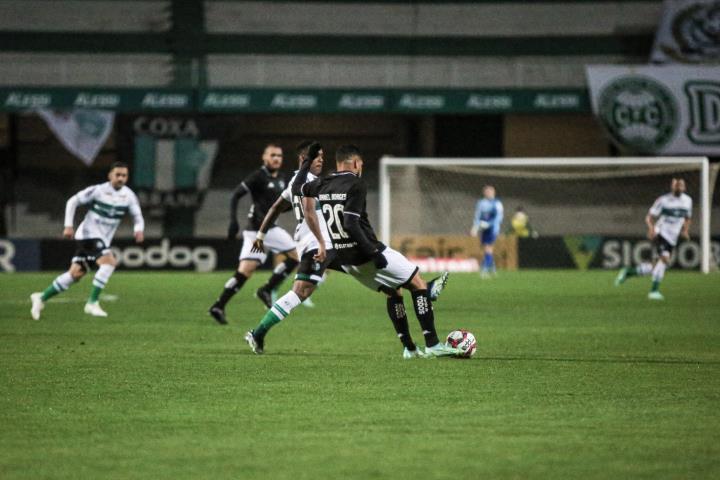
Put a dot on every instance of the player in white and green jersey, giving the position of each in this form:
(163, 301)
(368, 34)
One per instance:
(107, 204)
(668, 219)
(309, 272)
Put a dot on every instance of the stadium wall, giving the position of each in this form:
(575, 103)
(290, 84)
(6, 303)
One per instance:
(210, 254)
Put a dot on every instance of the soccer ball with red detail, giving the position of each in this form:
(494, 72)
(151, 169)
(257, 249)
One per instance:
(463, 340)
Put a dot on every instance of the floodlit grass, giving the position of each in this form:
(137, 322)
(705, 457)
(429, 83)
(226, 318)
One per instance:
(573, 378)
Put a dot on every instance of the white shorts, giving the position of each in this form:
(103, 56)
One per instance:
(398, 272)
(276, 240)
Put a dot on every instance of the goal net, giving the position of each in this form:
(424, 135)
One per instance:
(582, 212)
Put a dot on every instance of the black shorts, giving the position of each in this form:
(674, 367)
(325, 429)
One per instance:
(88, 251)
(310, 270)
(662, 246)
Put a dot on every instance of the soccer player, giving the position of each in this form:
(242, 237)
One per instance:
(341, 196)
(488, 218)
(667, 219)
(265, 186)
(107, 204)
(310, 271)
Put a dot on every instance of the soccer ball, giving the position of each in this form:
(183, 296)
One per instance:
(463, 340)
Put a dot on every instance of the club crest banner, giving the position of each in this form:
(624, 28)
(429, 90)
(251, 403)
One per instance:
(82, 132)
(658, 109)
(689, 32)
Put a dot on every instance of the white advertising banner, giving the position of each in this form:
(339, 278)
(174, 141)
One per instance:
(689, 32)
(82, 132)
(672, 110)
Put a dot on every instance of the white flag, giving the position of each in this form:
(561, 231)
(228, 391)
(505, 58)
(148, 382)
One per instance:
(82, 132)
(689, 32)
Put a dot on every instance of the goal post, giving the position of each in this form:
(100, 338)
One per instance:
(401, 179)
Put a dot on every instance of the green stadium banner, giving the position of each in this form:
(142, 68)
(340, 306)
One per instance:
(261, 100)
(126, 100)
(394, 101)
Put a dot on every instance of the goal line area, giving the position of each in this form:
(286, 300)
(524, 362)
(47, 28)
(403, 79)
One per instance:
(592, 208)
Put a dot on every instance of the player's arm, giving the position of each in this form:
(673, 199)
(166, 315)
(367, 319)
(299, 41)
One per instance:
(351, 223)
(138, 220)
(301, 176)
(308, 205)
(685, 232)
(281, 205)
(650, 222)
(239, 192)
(83, 197)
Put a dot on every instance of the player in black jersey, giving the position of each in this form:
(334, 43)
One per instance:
(265, 186)
(380, 268)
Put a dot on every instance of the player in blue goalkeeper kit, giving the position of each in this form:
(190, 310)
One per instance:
(487, 221)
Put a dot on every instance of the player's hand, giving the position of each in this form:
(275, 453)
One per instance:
(139, 237)
(233, 230)
(258, 246)
(474, 231)
(379, 260)
(484, 225)
(313, 152)
(68, 232)
(320, 255)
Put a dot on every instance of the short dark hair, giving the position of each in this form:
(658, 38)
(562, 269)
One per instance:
(346, 152)
(115, 165)
(302, 147)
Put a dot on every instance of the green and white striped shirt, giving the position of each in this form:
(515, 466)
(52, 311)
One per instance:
(106, 209)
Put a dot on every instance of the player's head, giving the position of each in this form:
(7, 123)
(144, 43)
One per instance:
(272, 157)
(349, 158)
(118, 175)
(302, 151)
(489, 192)
(677, 186)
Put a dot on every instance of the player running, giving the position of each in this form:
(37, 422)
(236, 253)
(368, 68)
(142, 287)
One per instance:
(107, 205)
(488, 218)
(667, 219)
(341, 196)
(265, 187)
(310, 271)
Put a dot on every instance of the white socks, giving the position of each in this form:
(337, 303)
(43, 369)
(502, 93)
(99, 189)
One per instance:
(63, 282)
(103, 275)
(659, 271)
(285, 304)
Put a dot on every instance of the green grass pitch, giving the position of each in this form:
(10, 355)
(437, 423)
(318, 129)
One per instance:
(573, 378)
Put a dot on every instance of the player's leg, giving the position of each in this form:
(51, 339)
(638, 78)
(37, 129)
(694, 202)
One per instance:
(245, 270)
(280, 273)
(398, 317)
(437, 285)
(310, 273)
(61, 283)
(400, 272)
(106, 266)
(644, 269)
(426, 317)
(488, 243)
(664, 251)
(248, 263)
(278, 240)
